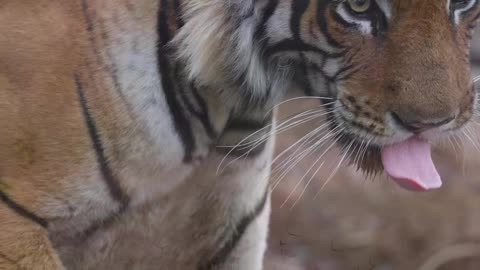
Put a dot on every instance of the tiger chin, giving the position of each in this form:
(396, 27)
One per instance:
(135, 134)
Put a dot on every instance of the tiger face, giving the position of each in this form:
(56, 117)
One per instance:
(397, 70)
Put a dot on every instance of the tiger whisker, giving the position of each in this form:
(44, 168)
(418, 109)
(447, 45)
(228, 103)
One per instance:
(476, 79)
(312, 136)
(278, 125)
(467, 132)
(334, 172)
(449, 139)
(302, 193)
(363, 151)
(283, 122)
(241, 143)
(300, 98)
(280, 172)
(305, 139)
(295, 160)
(306, 173)
(357, 155)
(275, 132)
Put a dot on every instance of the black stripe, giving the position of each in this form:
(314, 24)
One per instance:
(345, 23)
(246, 124)
(296, 43)
(262, 40)
(88, 19)
(102, 224)
(323, 8)
(463, 14)
(305, 82)
(298, 46)
(262, 26)
(298, 9)
(245, 149)
(204, 115)
(375, 16)
(109, 68)
(242, 151)
(113, 185)
(178, 13)
(344, 69)
(222, 255)
(201, 113)
(181, 123)
(22, 211)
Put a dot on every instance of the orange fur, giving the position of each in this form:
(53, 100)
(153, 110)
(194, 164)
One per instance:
(44, 143)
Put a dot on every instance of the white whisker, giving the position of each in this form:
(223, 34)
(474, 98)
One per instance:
(334, 172)
(291, 162)
(300, 98)
(467, 132)
(310, 137)
(310, 150)
(274, 132)
(303, 139)
(266, 136)
(476, 79)
(314, 174)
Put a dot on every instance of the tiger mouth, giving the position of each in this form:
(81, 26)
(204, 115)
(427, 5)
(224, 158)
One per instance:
(408, 161)
(365, 157)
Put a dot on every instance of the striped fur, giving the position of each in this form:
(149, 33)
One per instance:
(117, 115)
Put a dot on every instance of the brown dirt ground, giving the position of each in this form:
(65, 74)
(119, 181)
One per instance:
(359, 223)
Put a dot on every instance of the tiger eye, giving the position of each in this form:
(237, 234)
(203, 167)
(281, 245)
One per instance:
(360, 6)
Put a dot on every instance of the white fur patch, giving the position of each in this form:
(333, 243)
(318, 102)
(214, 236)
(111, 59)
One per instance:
(385, 7)
(215, 48)
(364, 26)
(457, 13)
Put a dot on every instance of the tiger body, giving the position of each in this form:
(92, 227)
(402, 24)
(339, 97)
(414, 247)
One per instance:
(117, 116)
(131, 194)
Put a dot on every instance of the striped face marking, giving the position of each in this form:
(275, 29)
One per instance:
(377, 56)
(363, 25)
(457, 8)
(358, 13)
(363, 15)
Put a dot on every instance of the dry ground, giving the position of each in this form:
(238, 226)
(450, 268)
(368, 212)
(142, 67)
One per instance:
(359, 224)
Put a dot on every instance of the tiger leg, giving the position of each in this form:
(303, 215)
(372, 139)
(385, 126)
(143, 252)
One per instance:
(250, 251)
(247, 176)
(24, 244)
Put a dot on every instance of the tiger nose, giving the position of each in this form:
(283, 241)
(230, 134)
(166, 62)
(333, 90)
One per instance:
(420, 125)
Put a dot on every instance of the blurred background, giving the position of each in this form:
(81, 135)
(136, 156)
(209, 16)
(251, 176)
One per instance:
(359, 223)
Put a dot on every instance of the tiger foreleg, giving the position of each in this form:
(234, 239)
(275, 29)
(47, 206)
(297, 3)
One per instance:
(24, 245)
(250, 251)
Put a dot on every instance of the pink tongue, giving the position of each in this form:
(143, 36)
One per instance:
(410, 164)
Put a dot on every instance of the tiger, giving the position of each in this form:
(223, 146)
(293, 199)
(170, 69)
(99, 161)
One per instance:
(117, 115)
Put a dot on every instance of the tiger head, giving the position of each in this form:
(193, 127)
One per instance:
(396, 72)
